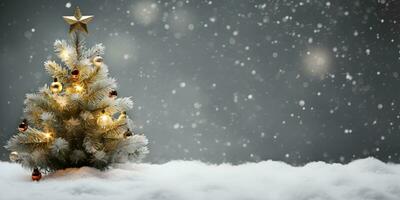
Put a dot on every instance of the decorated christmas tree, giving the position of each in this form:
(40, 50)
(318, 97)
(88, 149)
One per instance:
(78, 120)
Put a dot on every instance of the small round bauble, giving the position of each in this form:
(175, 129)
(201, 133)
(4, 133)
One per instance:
(78, 87)
(23, 126)
(14, 157)
(56, 87)
(122, 116)
(98, 61)
(113, 94)
(36, 175)
(75, 75)
(104, 120)
(128, 133)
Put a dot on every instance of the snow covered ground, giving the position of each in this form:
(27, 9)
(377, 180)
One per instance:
(362, 180)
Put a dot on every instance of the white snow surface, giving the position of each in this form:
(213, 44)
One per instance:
(193, 180)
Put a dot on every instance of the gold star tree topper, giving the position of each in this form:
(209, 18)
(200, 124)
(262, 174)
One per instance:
(78, 22)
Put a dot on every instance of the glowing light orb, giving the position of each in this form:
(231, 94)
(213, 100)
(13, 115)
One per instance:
(104, 120)
(316, 63)
(78, 88)
(48, 135)
(145, 12)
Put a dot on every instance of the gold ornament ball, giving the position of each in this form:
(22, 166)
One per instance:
(98, 61)
(56, 87)
(104, 119)
(14, 157)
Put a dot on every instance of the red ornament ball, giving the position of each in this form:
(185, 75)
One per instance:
(128, 133)
(75, 75)
(113, 94)
(36, 175)
(23, 126)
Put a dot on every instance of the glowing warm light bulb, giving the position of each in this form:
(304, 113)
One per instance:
(47, 135)
(104, 119)
(78, 88)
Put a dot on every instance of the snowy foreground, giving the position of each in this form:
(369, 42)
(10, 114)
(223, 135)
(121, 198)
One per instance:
(362, 179)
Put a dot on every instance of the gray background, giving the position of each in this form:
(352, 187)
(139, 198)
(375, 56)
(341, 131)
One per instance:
(229, 80)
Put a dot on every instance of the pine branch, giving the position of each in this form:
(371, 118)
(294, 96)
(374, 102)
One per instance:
(133, 148)
(66, 53)
(113, 106)
(105, 103)
(43, 100)
(59, 147)
(28, 141)
(99, 90)
(36, 104)
(96, 74)
(115, 125)
(55, 70)
(110, 145)
(92, 143)
(35, 99)
(116, 132)
(96, 50)
(100, 156)
(123, 104)
(33, 114)
(130, 123)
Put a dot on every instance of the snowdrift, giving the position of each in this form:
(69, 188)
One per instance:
(180, 180)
